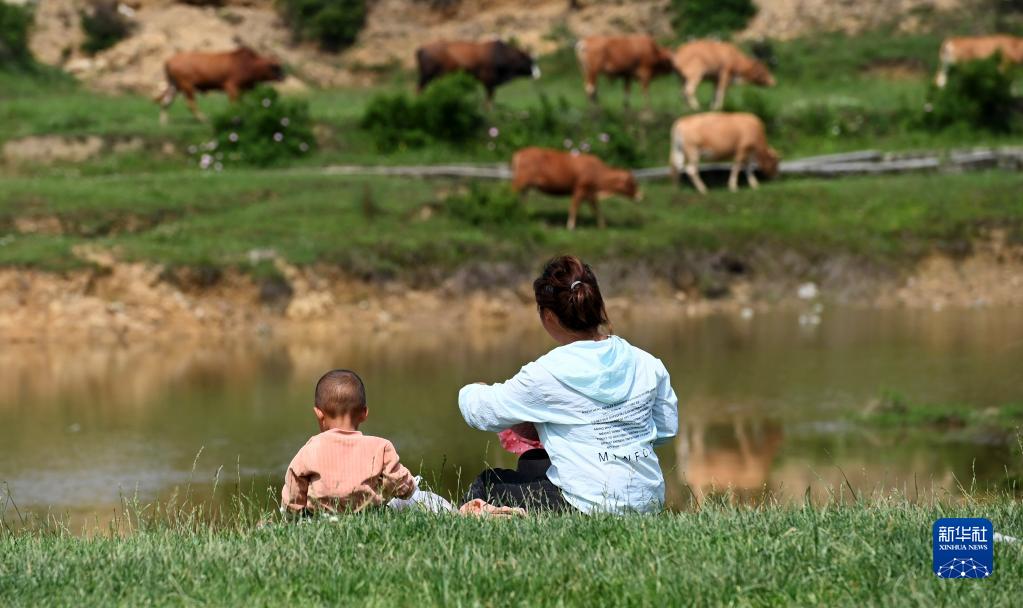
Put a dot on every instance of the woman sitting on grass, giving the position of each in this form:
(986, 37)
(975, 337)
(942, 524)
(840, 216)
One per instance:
(585, 417)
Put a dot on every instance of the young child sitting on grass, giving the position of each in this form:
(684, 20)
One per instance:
(340, 469)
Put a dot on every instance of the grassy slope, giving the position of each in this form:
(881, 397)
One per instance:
(852, 555)
(181, 216)
(827, 71)
(199, 219)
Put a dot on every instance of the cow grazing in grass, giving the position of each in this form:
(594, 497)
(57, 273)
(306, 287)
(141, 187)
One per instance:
(232, 72)
(493, 63)
(583, 176)
(636, 57)
(961, 50)
(717, 136)
(719, 61)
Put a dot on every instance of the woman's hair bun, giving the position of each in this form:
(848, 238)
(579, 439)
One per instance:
(569, 289)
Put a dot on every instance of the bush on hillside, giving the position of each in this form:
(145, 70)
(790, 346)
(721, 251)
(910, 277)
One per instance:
(333, 24)
(978, 95)
(15, 22)
(486, 206)
(447, 111)
(697, 18)
(556, 124)
(260, 129)
(103, 26)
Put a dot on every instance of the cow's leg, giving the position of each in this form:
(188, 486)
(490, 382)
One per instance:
(424, 79)
(733, 176)
(189, 94)
(595, 204)
(741, 160)
(490, 98)
(591, 86)
(724, 78)
(165, 100)
(694, 173)
(676, 158)
(573, 209)
(644, 83)
(233, 91)
(626, 91)
(751, 177)
(692, 83)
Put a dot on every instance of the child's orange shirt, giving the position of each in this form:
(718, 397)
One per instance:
(345, 470)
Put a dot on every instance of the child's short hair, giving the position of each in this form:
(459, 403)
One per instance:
(340, 392)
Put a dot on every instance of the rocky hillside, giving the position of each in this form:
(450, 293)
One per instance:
(396, 27)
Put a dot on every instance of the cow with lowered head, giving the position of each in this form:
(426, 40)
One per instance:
(584, 177)
(493, 63)
(232, 72)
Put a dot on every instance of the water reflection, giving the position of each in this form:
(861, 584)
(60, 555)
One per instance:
(737, 456)
(765, 404)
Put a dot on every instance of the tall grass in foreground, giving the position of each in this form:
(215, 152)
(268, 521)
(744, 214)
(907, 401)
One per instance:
(874, 552)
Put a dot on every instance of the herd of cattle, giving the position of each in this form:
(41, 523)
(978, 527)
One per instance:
(712, 135)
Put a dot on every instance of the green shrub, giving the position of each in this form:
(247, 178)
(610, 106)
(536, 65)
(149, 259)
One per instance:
(15, 22)
(710, 17)
(333, 24)
(447, 111)
(841, 120)
(978, 95)
(753, 101)
(103, 26)
(486, 206)
(556, 124)
(261, 129)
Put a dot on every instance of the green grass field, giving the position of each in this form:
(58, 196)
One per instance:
(874, 554)
(380, 227)
(835, 93)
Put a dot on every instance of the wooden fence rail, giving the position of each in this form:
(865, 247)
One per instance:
(863, 162)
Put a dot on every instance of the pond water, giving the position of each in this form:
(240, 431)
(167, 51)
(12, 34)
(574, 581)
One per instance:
(766, 404)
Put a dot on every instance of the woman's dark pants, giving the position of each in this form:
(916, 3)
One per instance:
(526, 487)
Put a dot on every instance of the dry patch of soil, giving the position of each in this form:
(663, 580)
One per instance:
(49, 149)
(123, 302)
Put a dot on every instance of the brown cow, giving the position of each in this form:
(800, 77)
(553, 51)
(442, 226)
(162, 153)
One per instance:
(721, 61)
(232, 72)
(719, 135)
(584, 176)
(956, 50)
(627, 57)
(493, 63)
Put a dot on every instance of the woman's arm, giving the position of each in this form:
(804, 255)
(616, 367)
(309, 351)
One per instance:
(665, 409)
(498, 406)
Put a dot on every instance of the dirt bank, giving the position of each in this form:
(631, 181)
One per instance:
(123, 302)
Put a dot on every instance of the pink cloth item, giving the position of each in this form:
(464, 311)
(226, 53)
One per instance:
(345, 470)
(520, 438)
(478, 507)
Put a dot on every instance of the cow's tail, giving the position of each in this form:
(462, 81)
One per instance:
(424, 67)
(580, 53)
(947, 57)
(168, 90)
(677, 157)
(516, 173)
